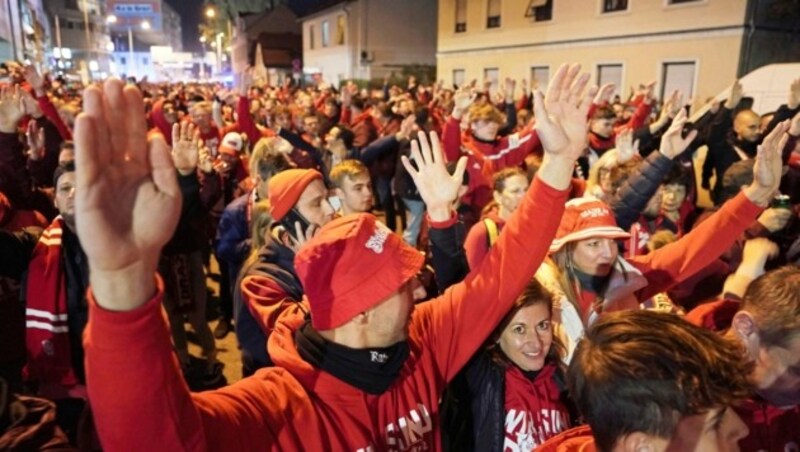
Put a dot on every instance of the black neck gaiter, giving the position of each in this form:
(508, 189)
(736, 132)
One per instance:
(371, 370)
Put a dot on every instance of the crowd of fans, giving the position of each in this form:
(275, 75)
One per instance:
(416, 267)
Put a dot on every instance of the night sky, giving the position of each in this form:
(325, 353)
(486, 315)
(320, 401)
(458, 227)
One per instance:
(190, 11)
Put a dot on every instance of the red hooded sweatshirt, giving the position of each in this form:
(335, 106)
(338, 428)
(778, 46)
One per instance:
(771, 428)
(131, 368)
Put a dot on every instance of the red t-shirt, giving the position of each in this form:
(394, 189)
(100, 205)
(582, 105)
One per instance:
(534, 410)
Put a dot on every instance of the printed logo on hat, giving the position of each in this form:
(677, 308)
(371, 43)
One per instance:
(595, 212)
(378, 238)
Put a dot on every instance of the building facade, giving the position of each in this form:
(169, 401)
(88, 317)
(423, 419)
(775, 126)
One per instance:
(367, 39)
(697, 46)
(79, 42)
(23, 31)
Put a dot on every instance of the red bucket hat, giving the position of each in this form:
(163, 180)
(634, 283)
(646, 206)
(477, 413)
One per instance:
(351, 265)
(285, 189)
(585, 218)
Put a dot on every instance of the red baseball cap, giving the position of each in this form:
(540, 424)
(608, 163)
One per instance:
(350, 266)
(285, 189)
(586, 218)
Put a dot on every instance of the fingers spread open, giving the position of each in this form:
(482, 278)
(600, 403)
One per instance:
(425, 147)
(436, 148)
(555, 86)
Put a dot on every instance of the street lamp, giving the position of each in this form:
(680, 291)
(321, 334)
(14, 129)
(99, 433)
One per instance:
(111, 19)
(145, 25)
(211, 12)
(219, 52)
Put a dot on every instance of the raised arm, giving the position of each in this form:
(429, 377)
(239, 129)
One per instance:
(459, 321)
(677, 261)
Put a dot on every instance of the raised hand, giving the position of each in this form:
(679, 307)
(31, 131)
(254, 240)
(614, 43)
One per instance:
(604, 94)
(646, 90)
(12, 108)
(245, 81)
(561, 115)
(768, 168)
(127, 200)
(673, 143)
(406, 128)
(30, 105)
(462, 99)
(34, 79)
(673, 105)
(735, 96)
(508, 89)
(34, 136)
(794, 94)
(627, 147)
(185, 147)
(437, 187)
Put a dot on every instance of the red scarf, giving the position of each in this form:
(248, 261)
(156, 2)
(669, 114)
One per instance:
(47, 333)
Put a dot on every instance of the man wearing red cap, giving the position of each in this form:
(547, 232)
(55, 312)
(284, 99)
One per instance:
(366, 372)
(270, 285)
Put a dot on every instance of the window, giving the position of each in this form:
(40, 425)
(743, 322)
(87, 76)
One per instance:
(326, 33)
(459, 76)
(461, 16)
(613, 6)
(311, 33)
(610, 73)
(340, 29)
(145, 61)
(540, 75)
(493, 13)
(122, 60)
(493, 75)
(678, 75)
(540, 10)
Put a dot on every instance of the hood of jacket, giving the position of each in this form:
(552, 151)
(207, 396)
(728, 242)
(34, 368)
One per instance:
(160, 121)
(578, 439)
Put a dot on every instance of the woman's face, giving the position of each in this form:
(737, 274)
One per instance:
(527, 338)
(595, 256)
(513, 193)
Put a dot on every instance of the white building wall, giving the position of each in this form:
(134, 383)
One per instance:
(391, 34)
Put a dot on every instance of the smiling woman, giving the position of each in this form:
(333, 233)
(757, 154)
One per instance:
(515, 384)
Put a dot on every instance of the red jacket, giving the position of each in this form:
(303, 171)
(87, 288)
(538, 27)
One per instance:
(132, 369)
(484, 159)
(771, 428)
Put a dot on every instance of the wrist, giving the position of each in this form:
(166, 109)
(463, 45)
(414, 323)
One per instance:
(439, 213)
(758, 195)
(124, 289)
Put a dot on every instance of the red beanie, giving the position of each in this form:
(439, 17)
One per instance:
(285, 189)
(586, 218)
(351, 265)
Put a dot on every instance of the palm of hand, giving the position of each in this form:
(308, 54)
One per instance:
(127, 201)
(10, 112)
(125, 216)
(184, 154)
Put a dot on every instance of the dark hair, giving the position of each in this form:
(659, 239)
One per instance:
(678, 175)
(642, 371)
(346, 135)
(773, 299)
(499, 179)
(66, 167)
(604, 113)
(736, 176)
(534, 293)
(358, 102)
